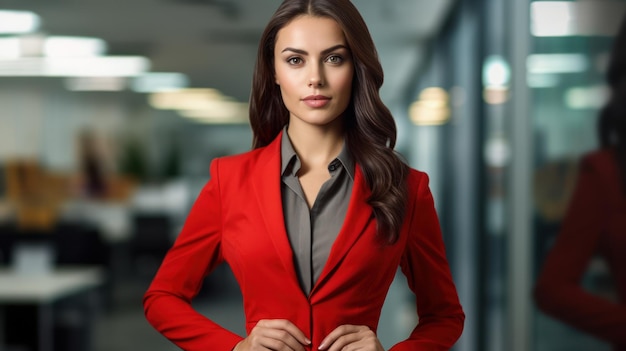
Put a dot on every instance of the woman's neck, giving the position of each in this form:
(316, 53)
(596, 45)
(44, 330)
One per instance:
(316, 146)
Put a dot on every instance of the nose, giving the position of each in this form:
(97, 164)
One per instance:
(316, 77)
(315, 82)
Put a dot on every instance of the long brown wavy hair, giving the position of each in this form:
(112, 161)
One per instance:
(612, 121)
(369, 126)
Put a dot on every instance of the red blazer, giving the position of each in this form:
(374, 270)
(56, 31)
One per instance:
(238, 218)
(594, 224)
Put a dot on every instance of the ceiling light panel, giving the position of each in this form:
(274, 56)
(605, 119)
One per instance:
(58, 46)
(17, 22)
(159, 81)
(10, 48)
(110, 66)
(556, 63)
(95, 83)
(576, 18)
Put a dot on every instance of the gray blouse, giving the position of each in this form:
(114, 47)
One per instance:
(312, 231)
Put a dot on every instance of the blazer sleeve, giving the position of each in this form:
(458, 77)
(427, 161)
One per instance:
(558, 291)
(425, 266)
(195, 253)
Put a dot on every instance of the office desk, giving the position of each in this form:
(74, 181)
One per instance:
(42, 291)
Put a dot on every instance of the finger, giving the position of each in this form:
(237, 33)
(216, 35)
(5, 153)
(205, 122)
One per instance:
(344, 341)
(283, 338)
(266, 339)
(363, 339)
(287, 326)
(278, 345)
(340, 331)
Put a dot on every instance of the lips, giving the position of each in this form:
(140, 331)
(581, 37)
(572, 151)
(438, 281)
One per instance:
(316, 101)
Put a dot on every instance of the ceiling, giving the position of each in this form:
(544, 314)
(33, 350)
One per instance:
(214, 42)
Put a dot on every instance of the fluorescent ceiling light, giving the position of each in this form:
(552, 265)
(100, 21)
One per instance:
(36, 45)
(73, 47)
(234, 112)
(186, 99)
(156, 82)
(201, 104)
(431, 108)
(496, 71)
(95, 83)
(556, 63)
(552, 18)
(569, 18)
(542, 80)
(497, 151)
(109, 66)
(10, 48)
(15, 22)
(592, 97)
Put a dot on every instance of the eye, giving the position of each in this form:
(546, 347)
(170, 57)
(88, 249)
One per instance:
(294, 60)
(335, 59)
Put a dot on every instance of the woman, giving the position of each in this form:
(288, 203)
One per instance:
(93, 181)
(316, 219)
(595, 223)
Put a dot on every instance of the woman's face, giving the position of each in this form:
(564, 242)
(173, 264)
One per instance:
(314, 69)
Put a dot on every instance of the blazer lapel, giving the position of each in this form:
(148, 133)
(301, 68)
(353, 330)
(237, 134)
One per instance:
(268, 196)
(357, 218)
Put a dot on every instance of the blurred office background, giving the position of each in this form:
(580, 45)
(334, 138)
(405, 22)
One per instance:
(111, 111)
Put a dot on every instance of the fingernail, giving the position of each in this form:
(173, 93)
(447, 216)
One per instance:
(321, 346)
(307, 341)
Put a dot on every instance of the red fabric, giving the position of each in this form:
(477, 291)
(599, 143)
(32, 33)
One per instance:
(238, 218)
(594, 224)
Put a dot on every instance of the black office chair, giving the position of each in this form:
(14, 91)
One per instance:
(151, 239)
(79, 244)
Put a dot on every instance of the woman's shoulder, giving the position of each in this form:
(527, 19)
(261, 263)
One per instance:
(245, 164)
(600, 161)
(602, 171)
(603, 155)
(416, 175)
(417, 181)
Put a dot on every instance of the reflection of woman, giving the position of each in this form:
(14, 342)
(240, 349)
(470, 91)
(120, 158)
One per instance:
(316, 219)
(92, 172)
(595, 224)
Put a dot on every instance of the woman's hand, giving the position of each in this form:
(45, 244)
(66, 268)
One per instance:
(274, 334)
(351, 337)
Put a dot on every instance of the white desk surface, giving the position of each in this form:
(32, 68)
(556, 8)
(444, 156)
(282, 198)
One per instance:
(46, 287)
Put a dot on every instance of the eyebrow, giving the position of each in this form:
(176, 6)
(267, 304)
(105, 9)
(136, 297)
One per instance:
(324, 52)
